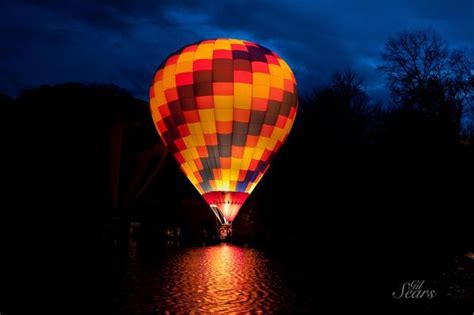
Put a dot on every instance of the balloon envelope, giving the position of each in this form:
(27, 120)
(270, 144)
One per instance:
(224, 107)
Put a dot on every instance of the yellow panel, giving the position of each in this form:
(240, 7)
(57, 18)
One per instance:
(222, 44)
(188, 141)
(235, 163)
(277, 82)
(288, 125)
(287, 74)
(206, 115)
(236, 41)
(257, 155)
(195, 128)
(225, 174)
(245, 164)
(184, 67)
(187, 155)
(204, 51)
(261, 91)
(169, 71)
(225, 114)
(153, 106)
(242, 95)
(283, 64)
(243, 89)
(186, 169)
(271, 144)
(278, 133)
(275, 70)
(169, 82)
(198, 140)
(234, 174)
(192, 166)
(209, 127)
(259, 78)
(223, 101)
(262, 142)
(155, 113)
(233, 185)
(192, 178)
(186, 56)
(194, 153)
(248, 153)
(159, 93)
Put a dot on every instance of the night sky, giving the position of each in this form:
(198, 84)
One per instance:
(122, 42)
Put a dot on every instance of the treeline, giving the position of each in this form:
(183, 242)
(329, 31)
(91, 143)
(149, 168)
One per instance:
(431, 99)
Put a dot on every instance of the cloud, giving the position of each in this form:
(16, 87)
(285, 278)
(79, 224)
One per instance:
(122, 42)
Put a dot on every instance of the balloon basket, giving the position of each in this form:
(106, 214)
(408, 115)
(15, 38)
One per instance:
(225, 232)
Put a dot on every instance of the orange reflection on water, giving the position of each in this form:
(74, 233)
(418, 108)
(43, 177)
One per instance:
(214, 279)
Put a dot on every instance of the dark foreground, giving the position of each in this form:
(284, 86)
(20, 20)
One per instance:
(339, 225)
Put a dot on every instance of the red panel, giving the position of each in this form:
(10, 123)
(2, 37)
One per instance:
(276, 94)
(190, 48)
(239, 47)
(241, 115)
(288, 86)
(243, 76)
(281, 121)
(203, 102)
(164, 111)
(210, 139)
(260, 104)
(253, 165)
(266, 154)
(172, 60)
(191, 116)
(251, 141)
(267, 130)
(199, 166)
(158, 75)
(171, 95)
(225, 162)
(223, 88)
(184, 79)
(202, 64)
(224, 127)
(272, 60)
(237, 152)
(184, 131)
(202, 151)
(222, 54)
(180, 144)
(179, 158)
(259, 66)
(161, 126)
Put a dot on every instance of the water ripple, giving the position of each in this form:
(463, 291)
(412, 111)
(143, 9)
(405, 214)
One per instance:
(214, 279)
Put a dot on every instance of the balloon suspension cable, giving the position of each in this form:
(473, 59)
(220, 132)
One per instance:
(222, 220)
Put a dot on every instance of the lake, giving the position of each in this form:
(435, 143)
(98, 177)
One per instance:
(209, 279)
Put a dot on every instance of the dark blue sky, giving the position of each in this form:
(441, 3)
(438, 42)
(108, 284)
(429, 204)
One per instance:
(122, 42)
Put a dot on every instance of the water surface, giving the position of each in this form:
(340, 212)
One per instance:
(219, 279)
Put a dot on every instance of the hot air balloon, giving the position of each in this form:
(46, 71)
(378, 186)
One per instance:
(224, 107)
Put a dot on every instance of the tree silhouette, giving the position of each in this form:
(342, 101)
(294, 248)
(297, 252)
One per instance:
(428, 82)
(340, 113)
